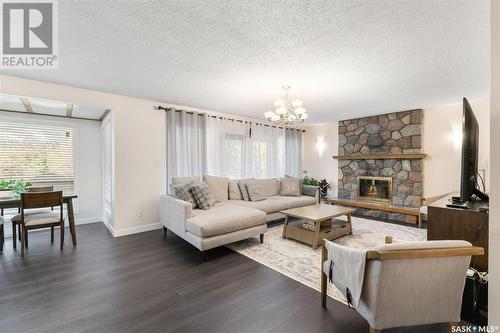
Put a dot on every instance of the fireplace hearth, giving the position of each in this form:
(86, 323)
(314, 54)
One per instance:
(375, 189)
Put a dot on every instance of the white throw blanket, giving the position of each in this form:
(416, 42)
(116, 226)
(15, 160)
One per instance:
(347, 270)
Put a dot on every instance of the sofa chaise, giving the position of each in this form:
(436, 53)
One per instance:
(232, 218)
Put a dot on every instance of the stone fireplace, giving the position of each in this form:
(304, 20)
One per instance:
(384, 147)
(377, 189)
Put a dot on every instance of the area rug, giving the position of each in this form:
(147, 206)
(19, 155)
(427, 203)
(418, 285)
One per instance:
(301, 263)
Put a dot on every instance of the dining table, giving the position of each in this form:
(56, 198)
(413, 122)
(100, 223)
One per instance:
(14, 202)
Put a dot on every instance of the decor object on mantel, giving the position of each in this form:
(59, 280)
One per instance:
(287, 112)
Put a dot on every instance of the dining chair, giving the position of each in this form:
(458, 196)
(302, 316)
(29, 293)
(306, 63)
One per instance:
(37, 200)
(2, 233)
(16, 220)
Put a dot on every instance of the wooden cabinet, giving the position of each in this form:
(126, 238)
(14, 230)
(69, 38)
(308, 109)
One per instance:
(465, 224)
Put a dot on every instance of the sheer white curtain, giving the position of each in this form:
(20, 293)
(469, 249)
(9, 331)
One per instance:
(199, 144)
(293, 152)
(226, 147)
(265, 156)
(186, 144)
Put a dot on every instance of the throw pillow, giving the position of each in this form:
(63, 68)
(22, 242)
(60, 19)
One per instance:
(255, 193)
(183, 192)
(203, 196)
(243, 189)
(309, 190)
(290, 187)
(234, 190)
(218, 186)
(244, 192)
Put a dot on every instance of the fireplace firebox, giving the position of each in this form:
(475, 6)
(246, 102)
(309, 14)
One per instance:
(375, 189)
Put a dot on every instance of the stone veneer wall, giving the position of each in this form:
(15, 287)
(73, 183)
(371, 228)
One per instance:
(393, 133)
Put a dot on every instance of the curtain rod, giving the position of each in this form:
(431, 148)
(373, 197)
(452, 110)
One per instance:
(159, 107)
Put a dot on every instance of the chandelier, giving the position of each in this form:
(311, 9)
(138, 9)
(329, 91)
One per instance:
(287, 112)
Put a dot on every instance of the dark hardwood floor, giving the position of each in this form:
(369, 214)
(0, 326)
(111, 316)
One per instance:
(144, 283)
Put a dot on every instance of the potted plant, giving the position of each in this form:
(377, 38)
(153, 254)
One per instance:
(12, 188)
(323, 185)
(5, 191)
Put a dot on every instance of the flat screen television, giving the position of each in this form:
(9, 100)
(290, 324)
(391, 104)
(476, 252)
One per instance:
(469, 185)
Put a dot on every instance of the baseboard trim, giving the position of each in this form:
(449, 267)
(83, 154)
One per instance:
(132, 230)
(88, 220)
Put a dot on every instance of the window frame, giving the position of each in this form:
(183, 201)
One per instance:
(43, 121)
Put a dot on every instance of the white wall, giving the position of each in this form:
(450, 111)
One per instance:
(494, 220)
(441, 141)
(319, 144)
(139, 152)
(88, 178)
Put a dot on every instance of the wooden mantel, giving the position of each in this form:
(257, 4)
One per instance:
(380, 156)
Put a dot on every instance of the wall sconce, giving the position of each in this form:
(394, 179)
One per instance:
(456, 136)
(320, 145)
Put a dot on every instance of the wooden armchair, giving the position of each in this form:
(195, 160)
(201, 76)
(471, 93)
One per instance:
(413, 283)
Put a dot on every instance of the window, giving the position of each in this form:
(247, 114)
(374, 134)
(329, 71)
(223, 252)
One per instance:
(234, 148)
(39, 154)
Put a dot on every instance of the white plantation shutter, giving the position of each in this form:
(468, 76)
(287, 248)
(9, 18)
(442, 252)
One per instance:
(107, 201)
(39, 154)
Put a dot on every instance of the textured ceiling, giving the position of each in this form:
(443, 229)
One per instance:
(342, 58)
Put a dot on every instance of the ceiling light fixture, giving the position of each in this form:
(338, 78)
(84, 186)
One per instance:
(286, 111)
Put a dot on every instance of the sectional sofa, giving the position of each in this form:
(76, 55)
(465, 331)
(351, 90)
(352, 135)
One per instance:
(232, 219)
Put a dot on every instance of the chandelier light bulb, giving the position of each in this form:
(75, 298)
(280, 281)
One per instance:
(269, 115)
(300, 111)
(287, 112)
(281, 110)
(279, 102)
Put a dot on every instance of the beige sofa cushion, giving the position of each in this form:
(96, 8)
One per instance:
(294, 202)
(270, 186)
(234, 190)
(269, 206)
(223, 218)
(291, 187)
(218, 187)
(183, 180)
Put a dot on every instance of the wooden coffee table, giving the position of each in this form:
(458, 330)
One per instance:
(325, 227)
